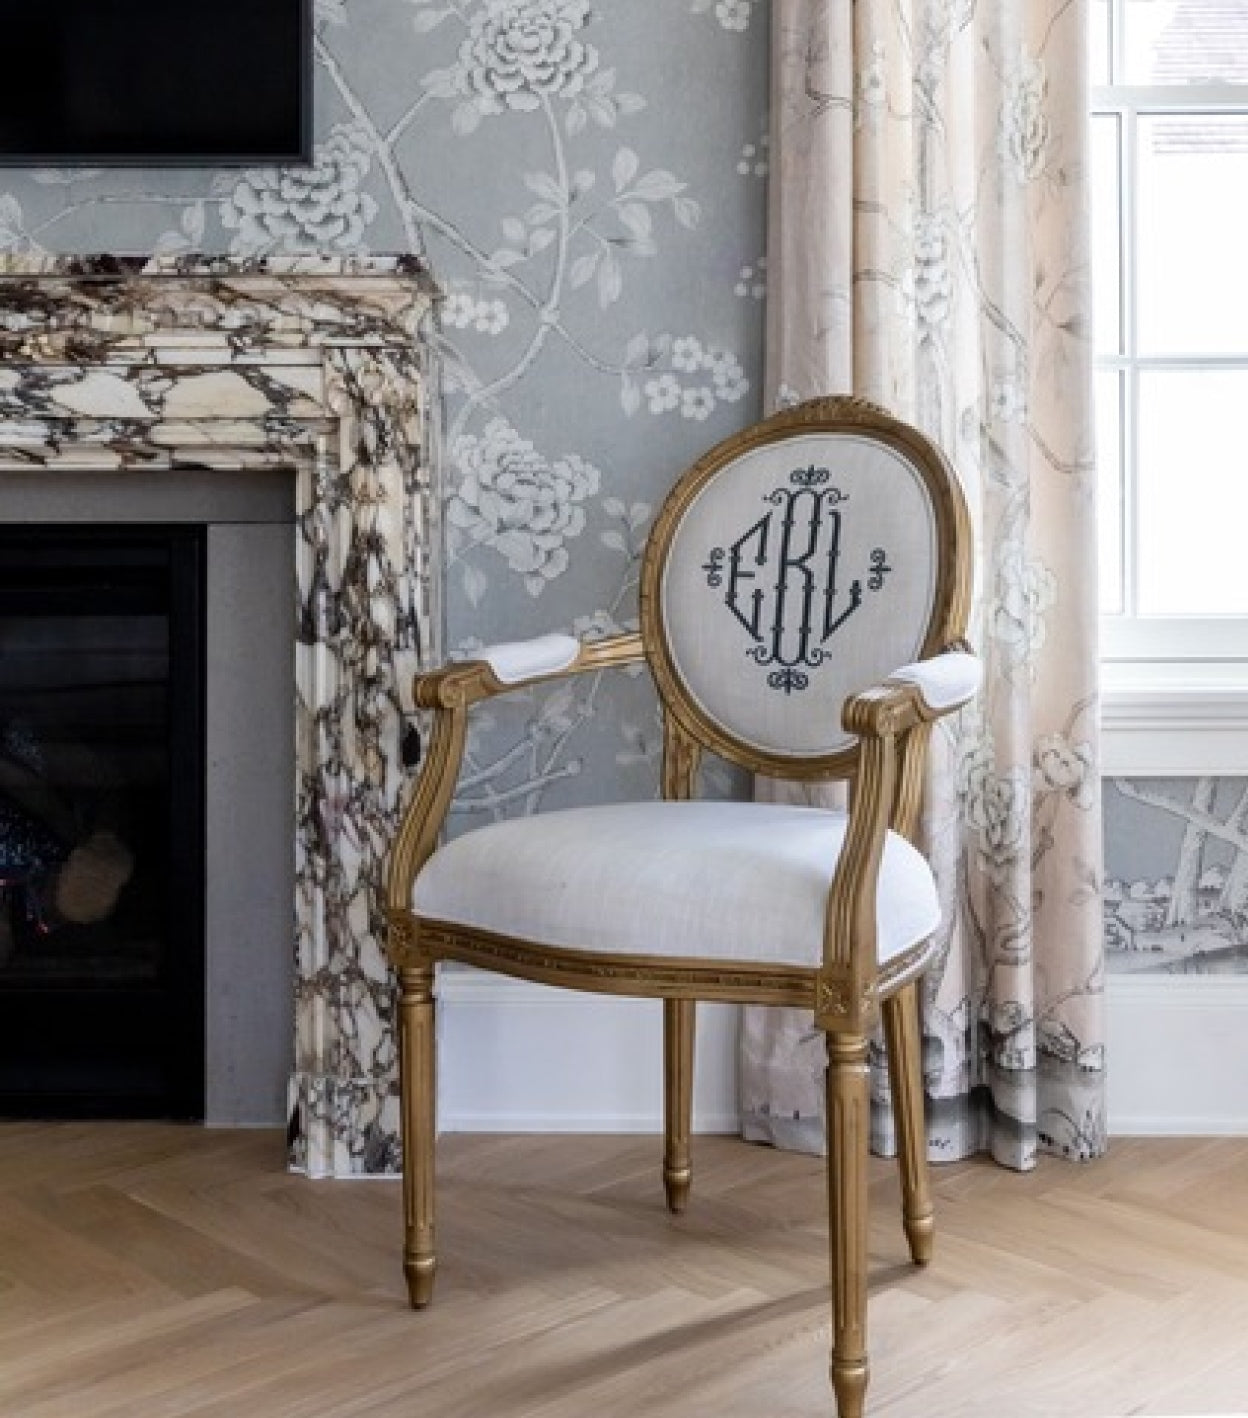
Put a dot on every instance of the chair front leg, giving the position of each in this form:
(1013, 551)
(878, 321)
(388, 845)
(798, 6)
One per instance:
(417, 1056)
(848, 1123)
(904, 1044)
(678, 1039)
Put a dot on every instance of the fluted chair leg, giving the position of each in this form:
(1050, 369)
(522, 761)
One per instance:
(678, 1039)
(848, 1121)
(417, 1054)
(904, 1043)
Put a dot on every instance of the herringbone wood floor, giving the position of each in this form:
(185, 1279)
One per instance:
(154, 1272)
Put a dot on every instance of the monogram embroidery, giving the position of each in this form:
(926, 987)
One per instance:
(781, 576)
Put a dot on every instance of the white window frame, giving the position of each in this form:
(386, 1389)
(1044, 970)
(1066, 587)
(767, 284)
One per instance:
(1175, 689)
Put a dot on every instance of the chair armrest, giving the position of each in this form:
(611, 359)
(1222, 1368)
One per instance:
(449, 692)
(886, 791)
(915, 694)
(515, 661)
(498, 668)
(945, 682)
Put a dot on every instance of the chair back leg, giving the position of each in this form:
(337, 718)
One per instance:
(678, 1041)
(417, 1057)
(849, 1126)
(904, 1045)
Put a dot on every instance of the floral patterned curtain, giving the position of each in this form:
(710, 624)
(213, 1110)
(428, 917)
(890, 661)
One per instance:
(929, 250)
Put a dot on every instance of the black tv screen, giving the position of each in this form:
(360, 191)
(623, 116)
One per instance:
(155, 82)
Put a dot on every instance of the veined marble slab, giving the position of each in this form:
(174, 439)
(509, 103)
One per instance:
(317, 365)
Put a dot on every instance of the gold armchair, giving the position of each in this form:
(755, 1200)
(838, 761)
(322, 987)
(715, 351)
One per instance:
(789, 571)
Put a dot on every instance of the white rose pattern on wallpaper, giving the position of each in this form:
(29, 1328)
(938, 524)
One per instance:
(517, 55)
(297, 210)
(575, 387)
(509, 497)
(732, 14)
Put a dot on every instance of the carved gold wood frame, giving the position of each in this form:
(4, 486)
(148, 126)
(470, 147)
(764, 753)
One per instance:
(847, 991)
(950, 602)
(416, 941)
(844, 992)
(890, 722)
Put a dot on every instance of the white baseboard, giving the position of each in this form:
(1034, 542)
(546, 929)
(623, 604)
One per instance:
(516, 1057)
(1177, 1055)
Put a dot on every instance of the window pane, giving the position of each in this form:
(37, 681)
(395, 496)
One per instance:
(1185, 41)
(1106, 233)
(1193, 492)
(1109, 489)
(1099, 42)
(1193, 207)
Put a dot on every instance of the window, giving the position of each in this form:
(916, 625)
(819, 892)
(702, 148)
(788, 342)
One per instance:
(1170, 232)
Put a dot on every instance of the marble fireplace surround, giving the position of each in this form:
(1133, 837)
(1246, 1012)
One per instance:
(316, 366)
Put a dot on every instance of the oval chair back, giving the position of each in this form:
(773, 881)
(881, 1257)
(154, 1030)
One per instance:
(796, 564)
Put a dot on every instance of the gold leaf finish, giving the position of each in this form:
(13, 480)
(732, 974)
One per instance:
(417, 1057)
(682, 754)
(846, 990)
(678, 1036)
(950, 603)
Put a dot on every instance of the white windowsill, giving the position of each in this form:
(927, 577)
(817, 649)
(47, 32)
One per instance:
(1174, 719)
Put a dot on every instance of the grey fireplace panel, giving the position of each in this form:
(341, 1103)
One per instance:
(249, 751)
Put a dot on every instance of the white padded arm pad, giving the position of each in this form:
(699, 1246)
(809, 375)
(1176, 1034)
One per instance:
(944, 681)
(518, 660)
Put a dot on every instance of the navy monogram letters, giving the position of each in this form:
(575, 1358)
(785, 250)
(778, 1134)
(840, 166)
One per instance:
(781, 578)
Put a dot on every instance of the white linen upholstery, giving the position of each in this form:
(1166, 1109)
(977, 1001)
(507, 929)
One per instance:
(944, 681)
(723, 880)
(799, 575)
(515, 660)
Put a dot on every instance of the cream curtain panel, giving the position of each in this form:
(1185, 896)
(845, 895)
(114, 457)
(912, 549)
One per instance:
(929, 250)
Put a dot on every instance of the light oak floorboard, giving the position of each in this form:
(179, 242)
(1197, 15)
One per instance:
(151, 1271)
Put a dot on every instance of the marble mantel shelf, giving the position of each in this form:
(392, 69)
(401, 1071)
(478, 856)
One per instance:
(319, 365)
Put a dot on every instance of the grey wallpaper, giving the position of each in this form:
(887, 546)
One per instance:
(589, 188)
(588, 185)
(1176, 876)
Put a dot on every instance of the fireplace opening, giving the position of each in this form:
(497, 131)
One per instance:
(102, 669)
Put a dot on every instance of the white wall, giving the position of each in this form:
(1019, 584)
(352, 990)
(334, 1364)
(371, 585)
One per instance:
(525, 1058)
(1177, 1055)
(515, 1057)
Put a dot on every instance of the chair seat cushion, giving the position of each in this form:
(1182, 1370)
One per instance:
(709, 880)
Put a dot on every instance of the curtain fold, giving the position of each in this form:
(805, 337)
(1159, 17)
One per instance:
(928, 249)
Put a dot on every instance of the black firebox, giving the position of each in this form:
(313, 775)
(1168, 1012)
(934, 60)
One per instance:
(102, 821)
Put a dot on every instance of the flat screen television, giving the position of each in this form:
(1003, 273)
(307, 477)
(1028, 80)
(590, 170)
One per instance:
(155, 82)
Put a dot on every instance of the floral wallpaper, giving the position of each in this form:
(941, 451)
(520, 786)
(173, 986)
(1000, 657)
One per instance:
(588, 185)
